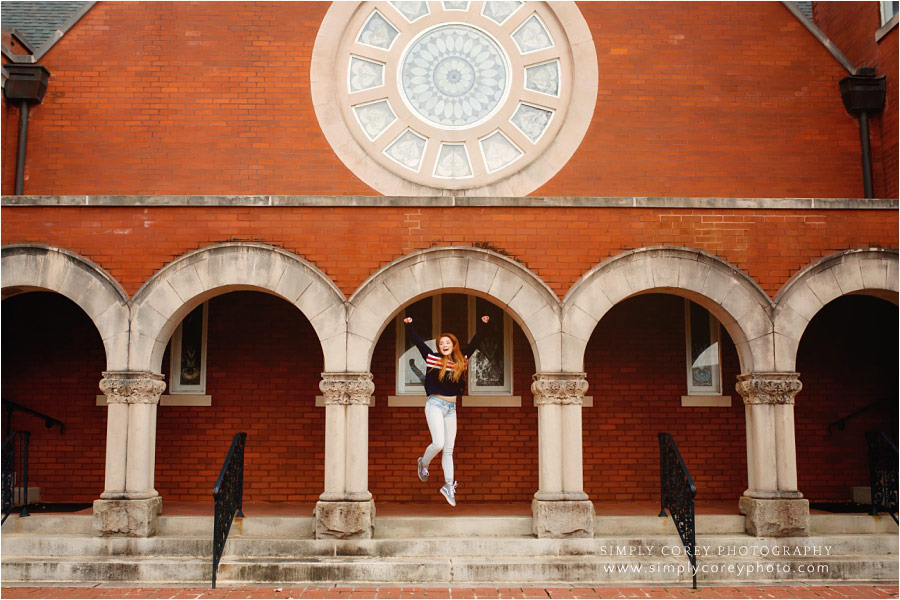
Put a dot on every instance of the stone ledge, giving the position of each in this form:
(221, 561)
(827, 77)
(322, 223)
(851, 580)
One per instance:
(461, 201)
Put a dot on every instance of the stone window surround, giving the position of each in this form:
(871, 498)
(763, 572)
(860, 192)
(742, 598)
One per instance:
(543, 158)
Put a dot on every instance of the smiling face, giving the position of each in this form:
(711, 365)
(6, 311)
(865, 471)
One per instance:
(445, 346)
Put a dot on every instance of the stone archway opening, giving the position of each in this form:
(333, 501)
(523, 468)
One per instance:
(260, 363)
(848, 362)
(496, 450)
(660, 362)
(52, 360)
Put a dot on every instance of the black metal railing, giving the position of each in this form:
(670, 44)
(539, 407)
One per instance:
(10, 407)
(676, 493)
(15, 473)
(882, 473)
(841, 423)
(228, 498)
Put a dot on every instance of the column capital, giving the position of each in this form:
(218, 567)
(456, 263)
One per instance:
(559, 388)
(347, 388)
(768, 388)
(132, 387)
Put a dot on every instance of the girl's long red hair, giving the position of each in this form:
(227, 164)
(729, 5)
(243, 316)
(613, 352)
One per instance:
(460, 364)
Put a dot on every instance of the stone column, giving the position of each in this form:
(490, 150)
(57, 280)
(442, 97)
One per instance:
(560, 507)
(772, 504)
(129, 505)
(345, 509)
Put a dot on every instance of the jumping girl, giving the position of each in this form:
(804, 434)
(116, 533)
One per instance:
(444, 382)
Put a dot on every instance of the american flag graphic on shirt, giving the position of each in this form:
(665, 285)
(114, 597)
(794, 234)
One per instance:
(434, 362)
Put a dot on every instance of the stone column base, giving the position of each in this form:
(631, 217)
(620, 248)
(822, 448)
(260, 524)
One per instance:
(563, 518)
(775, 517)
(345, 520)
(131, 518)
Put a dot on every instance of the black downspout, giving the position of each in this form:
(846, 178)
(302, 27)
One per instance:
(25, 85)
(20, 151)
(864, 93)
(866, 153)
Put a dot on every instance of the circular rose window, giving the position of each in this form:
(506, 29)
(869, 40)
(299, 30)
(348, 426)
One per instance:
(422, 97)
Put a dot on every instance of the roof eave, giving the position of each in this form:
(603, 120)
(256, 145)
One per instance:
(59, 33)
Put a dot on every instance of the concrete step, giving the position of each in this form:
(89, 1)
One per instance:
(450, 570)
(737, 546)
(421, 527)
(851, 523)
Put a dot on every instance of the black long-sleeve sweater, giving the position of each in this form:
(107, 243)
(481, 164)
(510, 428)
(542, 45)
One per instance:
(433, 383)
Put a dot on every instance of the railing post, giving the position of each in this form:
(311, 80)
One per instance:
(23, 468)
(662, 474)
(228, 498)
(677, 493)
(882, 473)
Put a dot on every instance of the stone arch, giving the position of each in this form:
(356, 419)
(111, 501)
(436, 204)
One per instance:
(27, 268)
(165, 299)
(870, 271)
(737, 301)
(475, 271)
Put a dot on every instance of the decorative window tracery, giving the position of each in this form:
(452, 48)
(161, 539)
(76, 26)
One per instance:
(450, 95)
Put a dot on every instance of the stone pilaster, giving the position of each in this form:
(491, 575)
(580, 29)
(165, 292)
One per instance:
(560, 507)
(345, 509)
(129, 505)
(772, 504)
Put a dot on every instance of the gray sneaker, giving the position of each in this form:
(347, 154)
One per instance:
(449, 492)
(423, 470)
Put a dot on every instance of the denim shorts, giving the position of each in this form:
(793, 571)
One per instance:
(446, 407)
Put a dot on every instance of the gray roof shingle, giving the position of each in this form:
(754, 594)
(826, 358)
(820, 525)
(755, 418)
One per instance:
(39, 22)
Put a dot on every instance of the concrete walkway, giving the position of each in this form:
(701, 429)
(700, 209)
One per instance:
(404, 592)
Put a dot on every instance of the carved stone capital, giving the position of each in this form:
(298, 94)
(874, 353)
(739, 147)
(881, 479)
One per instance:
(768, 388)
(130, 387)
(347, 388)
(559, 388)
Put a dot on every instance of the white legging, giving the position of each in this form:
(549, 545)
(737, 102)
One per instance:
(441, 418)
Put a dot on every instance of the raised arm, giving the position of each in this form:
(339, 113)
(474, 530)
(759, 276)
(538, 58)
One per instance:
(424, 350)
(477, 338)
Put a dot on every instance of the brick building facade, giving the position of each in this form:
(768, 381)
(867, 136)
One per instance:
(188, 154)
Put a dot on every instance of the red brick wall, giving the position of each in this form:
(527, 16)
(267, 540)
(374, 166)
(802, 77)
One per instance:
(695, 99)
(847, 360)
(887, 60)
(560, 246)
(851, 26)
(52, 362)
(635, 363)
(263, 374)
